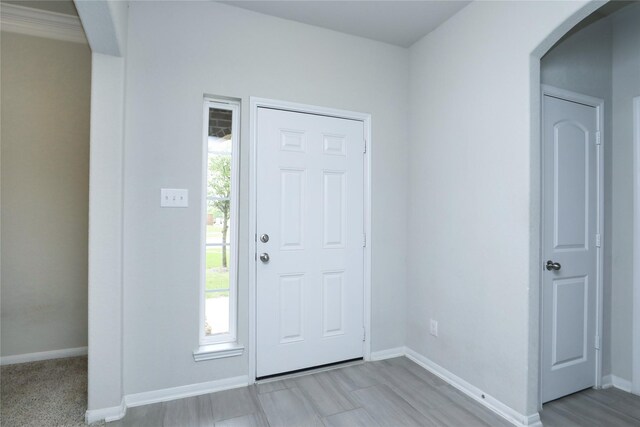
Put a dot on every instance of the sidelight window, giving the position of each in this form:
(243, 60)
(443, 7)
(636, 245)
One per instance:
(220, 225)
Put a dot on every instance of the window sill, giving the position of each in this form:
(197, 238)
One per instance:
(218, 351)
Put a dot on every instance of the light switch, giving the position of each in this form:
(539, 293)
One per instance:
(174, 198)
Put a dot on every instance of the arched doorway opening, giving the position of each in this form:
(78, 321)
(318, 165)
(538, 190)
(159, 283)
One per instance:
(585, 65)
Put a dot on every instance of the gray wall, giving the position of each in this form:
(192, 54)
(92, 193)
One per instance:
(175, 55)
(45, 172)
(474, 172)
(582, 63)
(626, 85)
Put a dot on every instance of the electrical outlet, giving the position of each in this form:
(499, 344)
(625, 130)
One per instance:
(433, 328)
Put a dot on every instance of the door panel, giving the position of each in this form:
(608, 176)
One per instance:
(333, 303)
(570, 308)
(291, 308)
(570, 227)
(334, 214)
(311, 204)
(571, 186)
(292, 212)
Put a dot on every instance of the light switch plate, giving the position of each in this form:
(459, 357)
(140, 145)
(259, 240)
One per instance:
(174, 198)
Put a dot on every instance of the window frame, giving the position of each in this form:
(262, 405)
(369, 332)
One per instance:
(231, 336)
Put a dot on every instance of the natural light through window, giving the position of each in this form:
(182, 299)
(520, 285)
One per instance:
(219, 222)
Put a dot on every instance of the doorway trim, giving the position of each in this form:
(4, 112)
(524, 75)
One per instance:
(635, 351)
(365, 118)
(598, 104)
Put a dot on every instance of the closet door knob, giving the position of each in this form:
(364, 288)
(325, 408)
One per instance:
(553, 266)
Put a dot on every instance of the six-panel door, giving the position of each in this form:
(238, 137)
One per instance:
(311, 207)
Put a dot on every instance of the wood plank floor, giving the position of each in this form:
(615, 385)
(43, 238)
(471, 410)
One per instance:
(609, 407)
(394, 392)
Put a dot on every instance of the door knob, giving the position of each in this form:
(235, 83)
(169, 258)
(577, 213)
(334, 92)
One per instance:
(264, 257)
(264, 238)
(553, 266)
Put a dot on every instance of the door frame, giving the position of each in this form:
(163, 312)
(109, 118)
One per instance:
(598, 104)
(365, 118)
(635, 351)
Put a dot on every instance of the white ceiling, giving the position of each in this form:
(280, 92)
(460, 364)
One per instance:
(398, 22)
(401, 23)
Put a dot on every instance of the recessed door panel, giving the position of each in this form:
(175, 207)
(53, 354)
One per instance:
(333, 221)
(332, 303)
(571, 192)
(334, 145)
(291, 308)
(570, 318)
(292, 183)
(291, 140)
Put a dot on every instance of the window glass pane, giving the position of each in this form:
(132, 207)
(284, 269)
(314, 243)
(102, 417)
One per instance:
(217, 274)
(216, 315)
(219, 138)
(217, 290)
(218, 180)
(219, 222)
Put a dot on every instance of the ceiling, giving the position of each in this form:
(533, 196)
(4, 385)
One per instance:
(401, 23)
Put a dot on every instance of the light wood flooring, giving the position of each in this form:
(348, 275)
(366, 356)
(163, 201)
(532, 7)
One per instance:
(394, 392)
(609, 407)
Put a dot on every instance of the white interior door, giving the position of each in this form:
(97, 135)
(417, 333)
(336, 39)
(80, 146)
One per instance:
(311, 207)
(569, 247)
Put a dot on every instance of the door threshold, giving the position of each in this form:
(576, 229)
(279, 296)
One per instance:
(311, 370)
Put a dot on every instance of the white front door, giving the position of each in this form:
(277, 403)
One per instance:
(570, 212)
(311, 206)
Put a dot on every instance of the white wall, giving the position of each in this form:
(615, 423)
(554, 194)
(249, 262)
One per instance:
(45, 172)
(178, 52)
(474, 193)
(626, 85)
(105, 237)
(105, 24)
(582, 63)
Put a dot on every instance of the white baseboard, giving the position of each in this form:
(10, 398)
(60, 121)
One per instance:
(43, 355)
(107, 414)
(475, 393)
(387, 354)
(164, 395)
(617, 382)
(622, 384)
(174, 393)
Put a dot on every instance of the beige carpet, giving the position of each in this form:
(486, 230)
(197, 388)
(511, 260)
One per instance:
(48, 393)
